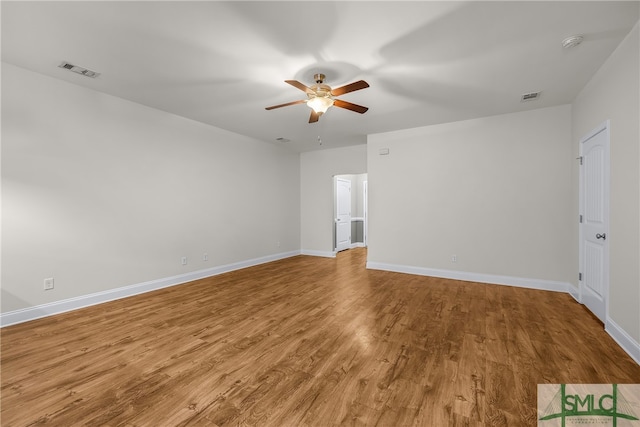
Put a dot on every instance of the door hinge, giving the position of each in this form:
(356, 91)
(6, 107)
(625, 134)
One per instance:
(580, 277)
(580, 219)
(580, 158)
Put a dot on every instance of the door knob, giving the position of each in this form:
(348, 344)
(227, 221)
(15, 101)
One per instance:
(602, 236)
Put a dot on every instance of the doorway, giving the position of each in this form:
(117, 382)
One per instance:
(350, 211)
(594, 220)
(343, 214)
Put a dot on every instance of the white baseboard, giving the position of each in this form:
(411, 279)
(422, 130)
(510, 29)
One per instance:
(57, 307)
(575, 293)
(546, 285)
(623, 339)
(326, 254)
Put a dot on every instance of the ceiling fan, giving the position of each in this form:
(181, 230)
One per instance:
(320, 97)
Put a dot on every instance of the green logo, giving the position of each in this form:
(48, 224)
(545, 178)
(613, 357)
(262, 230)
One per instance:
(593, 404)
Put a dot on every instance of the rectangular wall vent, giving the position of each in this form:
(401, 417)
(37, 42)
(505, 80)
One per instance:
(531, 96)
(79, 70)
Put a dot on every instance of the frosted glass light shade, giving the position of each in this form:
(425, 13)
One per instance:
(320, 104)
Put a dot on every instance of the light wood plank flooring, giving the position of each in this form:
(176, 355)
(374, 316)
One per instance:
(306, 341)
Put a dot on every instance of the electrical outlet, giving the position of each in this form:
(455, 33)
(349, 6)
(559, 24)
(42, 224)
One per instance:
(205, 256)
(48, 284)
(278, 244)
(454, 258)
(184, 260)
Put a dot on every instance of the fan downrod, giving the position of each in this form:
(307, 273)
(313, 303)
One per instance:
(319, 78)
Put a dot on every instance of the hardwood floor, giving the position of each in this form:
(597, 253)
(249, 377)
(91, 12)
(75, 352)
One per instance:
(306, 341)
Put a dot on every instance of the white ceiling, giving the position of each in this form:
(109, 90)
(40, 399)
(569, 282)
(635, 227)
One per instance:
(222, 63)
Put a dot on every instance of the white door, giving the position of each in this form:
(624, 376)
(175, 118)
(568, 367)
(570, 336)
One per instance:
(343, 214)
(594, 220)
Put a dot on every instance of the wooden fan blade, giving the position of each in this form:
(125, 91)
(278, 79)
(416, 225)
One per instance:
(349, 106)
(302, 101)
(300, 86)
(314, 116)
(360, 84)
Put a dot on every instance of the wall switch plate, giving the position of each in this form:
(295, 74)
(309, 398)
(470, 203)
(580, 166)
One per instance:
(184, 260)
(48, 284)
(205, 256)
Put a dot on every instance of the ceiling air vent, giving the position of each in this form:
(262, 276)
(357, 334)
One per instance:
(531, 96)
(79, 70)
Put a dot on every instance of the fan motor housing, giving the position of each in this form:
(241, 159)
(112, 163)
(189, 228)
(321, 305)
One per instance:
(321, 90)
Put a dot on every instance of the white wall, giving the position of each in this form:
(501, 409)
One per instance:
(613, 93)
(494, 191)
(317, 169)
(101, 193)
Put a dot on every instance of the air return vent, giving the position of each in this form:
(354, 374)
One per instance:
(79, 70)
(531, 96)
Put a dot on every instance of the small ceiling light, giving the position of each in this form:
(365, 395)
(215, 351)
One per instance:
(320, 104)
(572, 41)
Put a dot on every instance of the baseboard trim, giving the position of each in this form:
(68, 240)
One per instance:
(545, 285)
(62, 306)
(575, 293)
(623, 339)
(325, 254)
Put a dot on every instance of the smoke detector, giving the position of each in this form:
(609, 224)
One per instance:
(572, 41)
(79, 70)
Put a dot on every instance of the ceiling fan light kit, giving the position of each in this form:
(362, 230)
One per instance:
(320, 104)
(320, 97)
